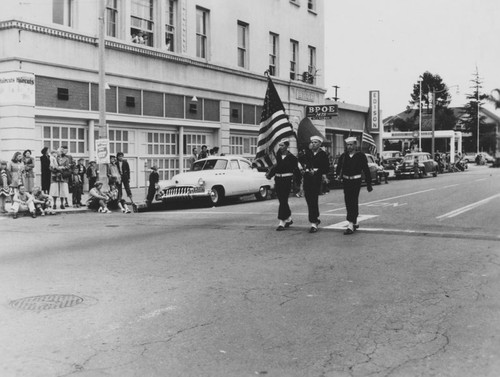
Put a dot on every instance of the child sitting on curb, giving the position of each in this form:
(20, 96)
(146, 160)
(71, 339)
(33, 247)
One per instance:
(43, 202)
(24, 201)
(114, 202)
(97, 199)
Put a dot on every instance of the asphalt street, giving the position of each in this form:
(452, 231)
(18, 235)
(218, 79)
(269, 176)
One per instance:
(216, 291)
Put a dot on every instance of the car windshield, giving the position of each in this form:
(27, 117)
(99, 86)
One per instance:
(211, 164)
(409, 158)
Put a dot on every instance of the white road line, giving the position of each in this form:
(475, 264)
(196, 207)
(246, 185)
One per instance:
(481, 179)
(468, 207)
(343, 224)
(383, 200)
(449, 186)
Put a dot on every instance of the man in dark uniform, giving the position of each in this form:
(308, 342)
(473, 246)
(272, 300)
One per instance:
(351, 164)
(315, 165)
(286, 163)
(124, 169)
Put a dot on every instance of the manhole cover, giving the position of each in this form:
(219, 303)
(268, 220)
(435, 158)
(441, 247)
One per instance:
(46, 302)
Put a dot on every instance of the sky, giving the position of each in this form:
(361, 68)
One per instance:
(386, 45)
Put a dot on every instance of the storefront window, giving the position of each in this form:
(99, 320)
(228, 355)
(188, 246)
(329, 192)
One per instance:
(72, 136)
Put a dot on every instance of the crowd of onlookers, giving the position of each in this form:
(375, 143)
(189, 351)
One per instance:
(61, 176)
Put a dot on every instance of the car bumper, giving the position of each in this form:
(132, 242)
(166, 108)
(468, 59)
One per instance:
(182, 193)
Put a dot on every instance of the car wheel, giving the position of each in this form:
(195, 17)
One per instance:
(435, 173)
(216, 195)
(262, 194)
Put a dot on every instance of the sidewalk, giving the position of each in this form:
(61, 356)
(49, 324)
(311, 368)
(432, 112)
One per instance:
(138, 194)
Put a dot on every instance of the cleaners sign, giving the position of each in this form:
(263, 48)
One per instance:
(322, 111)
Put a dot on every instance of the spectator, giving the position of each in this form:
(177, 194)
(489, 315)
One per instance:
(5, 189)
(114, 200)
(28, 172)
(203, 153)
(92, 174)
(113, 172)
(23, 201)
(124, 169)
(45, 169)
(60, 178)
(76, 187)
(193, 158)
(81, 171)
(15, 168)
(97, 199)
(43, 202)
(154, 178)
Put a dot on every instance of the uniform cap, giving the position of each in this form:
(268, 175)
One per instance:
(351, 139)
(316, 137)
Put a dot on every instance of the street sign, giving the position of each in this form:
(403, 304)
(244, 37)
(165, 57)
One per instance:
(102, 149)
(322, 111)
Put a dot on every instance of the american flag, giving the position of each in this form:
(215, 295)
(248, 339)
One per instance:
(274, 126)
(368, 139)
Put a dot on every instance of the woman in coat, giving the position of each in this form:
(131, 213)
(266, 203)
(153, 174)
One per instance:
(29, 171)
(45, 169)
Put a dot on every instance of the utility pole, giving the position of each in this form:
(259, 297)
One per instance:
(335, 98)
(103, 127)
(420, 115)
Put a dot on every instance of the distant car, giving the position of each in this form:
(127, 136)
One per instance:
(390, 154)
(487, 157)
(215, 178)
(418, 164)
(469, 157)
(390, 162)
(376, 172)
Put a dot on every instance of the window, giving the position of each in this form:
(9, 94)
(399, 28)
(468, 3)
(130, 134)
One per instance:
(201, 33)
(311, 68)
(162, 143)
(62, 12)
(56, 136)
(167, 167)
(311, 5)
(170, 25)
(111, 18)
(141, 21)
(242, 45)
(273, 54)
(243, 145)
(294, 55)
(118, 141)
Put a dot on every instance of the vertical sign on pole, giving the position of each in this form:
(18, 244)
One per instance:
(374, 124)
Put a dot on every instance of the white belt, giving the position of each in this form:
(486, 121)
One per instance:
(352, 176)
(284, 175)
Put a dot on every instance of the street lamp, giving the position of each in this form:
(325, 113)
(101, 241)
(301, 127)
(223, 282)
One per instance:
(434, 91)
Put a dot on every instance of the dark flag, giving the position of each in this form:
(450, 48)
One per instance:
(274, 126)
(368, 140)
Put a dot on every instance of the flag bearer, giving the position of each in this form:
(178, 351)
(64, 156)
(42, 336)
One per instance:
(283, 176)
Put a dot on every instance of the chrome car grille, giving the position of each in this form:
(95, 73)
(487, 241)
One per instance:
(178, 191)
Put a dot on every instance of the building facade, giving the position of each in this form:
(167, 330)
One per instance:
(178, 74)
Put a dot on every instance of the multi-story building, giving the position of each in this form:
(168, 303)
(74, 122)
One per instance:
(178, 74)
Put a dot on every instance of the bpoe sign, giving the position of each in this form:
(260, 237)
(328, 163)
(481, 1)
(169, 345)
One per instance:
(322, 111)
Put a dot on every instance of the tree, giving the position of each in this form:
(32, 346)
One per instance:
(430, 82)
(472, 111)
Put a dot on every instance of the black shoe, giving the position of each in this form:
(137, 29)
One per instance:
(288, 223)
(62, 206)
(356, 226)
(348, 231)
(280, 228)
(14, 216)
(33, 215)
(313, 229)
(54, 207)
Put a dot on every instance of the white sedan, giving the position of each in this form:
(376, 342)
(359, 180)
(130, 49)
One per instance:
(216, 178)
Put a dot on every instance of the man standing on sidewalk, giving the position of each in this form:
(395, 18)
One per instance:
(351, 164)
(124, 169)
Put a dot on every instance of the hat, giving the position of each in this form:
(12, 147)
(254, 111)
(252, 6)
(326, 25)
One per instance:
(154, 167)
(98, 183)
(316, 137)
(351, 139)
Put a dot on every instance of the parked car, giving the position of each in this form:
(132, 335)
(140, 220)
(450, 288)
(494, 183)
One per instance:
(469, 157)
(487, 157)
(417, 164)
(391, 159)
(377, 172)
(215, 178)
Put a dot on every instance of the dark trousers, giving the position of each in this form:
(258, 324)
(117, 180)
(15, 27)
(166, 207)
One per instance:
(283, 185)
(126, 185)
(92, 181)
(351, 197)
(312, 188)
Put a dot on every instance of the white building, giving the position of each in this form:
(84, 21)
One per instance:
(181, 74)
